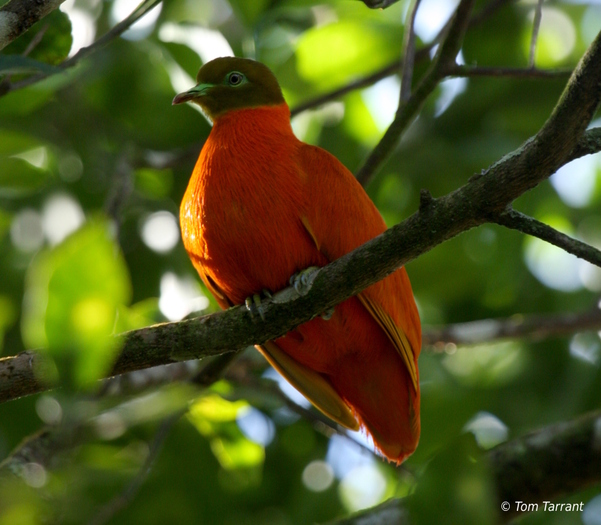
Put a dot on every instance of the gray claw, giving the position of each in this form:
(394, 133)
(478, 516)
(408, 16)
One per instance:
(303, 280)
(327, 315)
(255, 306)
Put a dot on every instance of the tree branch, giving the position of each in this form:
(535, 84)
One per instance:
(457, 70)
(407, 110)
(541, 466)
(518, 326)
(481, 200)
(392, 68)
(17, 16)
(518, 221)
(84, 52)
(409, 54)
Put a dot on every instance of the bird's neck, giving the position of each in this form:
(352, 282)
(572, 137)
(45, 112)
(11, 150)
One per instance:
(252, 123)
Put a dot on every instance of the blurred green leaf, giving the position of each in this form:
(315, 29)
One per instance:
(215, 418)
(72, 295)
(19, 178)
(153, 183)
(354, 49)
(13, 141)
(8, 316)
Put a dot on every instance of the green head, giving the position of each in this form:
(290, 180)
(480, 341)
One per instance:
(229, 83)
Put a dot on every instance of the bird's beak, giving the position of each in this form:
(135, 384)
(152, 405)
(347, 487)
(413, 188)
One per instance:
(195, 92)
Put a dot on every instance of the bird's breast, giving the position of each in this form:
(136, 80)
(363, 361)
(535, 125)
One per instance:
(241, 221)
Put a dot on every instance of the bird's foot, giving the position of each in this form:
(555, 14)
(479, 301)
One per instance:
(327, 315)
(254, 303)
(303, 280)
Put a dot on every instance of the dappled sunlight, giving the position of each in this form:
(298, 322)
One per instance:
(180, 296)
(551, 265)
(318, 476)
(61, 216)
(362, 487)
(556, 37)
(83, 25)
(575, 182)
(160, 231)
(141, 28)
(432, 16)
(488, 429)
(207, 43)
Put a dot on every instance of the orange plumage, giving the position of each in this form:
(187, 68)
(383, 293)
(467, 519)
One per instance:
(260, 206)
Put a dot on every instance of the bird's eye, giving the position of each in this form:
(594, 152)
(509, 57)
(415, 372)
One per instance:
(235, 78)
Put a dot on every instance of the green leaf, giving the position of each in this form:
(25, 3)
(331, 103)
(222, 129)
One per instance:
(18, 177)
(8, 316)
(215, 418)
(155, 184)
(354, 49)
(12, 142)
(72, 295)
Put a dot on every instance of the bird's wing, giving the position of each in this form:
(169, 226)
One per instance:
(311, 384)
(339, 218)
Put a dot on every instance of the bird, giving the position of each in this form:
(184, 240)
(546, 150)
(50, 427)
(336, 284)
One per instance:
(262, 206)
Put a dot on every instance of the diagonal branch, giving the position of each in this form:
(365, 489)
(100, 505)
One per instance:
(481, 200)
(392, 68)
(522, 326)
(518, 221)
(409, 54)
(144, 7)
(407, 110)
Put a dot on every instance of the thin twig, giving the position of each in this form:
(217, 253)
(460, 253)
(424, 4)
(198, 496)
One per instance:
(525, 224)
(457, 70)
(392, 68)
(408, 110)
(408, 54)
(37, 38)
(122, 500)
(536, 327)
(535, 28)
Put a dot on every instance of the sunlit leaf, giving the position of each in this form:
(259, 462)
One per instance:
(73, 292)
(18, 177)
(353, 48)
(154, 183)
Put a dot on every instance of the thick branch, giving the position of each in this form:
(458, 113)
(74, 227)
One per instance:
(482, 199)
(17, 16)
(541, 466)
(548, 463)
